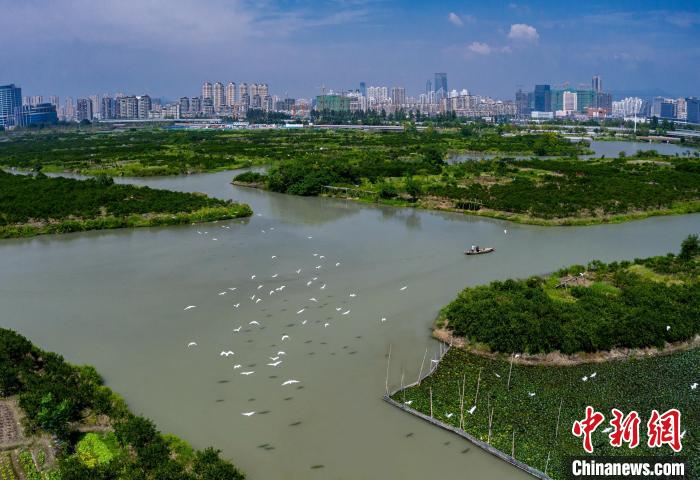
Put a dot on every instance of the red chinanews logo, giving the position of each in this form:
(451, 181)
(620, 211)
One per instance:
(662, 429)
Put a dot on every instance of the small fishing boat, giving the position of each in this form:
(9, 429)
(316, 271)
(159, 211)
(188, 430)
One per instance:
(479, 250)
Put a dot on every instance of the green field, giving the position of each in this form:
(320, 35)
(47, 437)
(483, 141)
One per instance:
(657, 383)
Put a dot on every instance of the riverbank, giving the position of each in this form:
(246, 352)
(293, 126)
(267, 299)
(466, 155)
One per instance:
(526, 412)
(208, 214)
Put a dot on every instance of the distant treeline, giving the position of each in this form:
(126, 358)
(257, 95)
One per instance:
(166, 152)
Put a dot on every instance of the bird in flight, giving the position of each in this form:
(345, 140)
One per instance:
(190, 307)
(226, 353)
(191, 344)
(290, 382)
(248, 414)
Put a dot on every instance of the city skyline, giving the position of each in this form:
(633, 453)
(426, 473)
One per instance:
(299, 47)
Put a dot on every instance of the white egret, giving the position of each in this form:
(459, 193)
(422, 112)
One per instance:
(215, 239)
(191, 344)
(346, 312)
(383, 319)
(321, 257)
(584, 379)
(248, 414)
(325, 325)
(449, 415)
(309, 283)
(301, 311)
(607, 430)
(232, 288)
(237, 329)
(337, 264)
(222, 293)
(226, 353)
(403, 288)
(274, 364)
(315, 254)
(236, 305)
(668, 327)
(309, 238)
(298, 271)
(323, 286)
(274, 275)
(408, 402)
(472, 410)
(497, 375)
(258, 300)
(273, 257)
(313, 299)
(353, 295)
(252, 277)
(290, 382)
(281, 353)
(531, 394)
(285, 337)
(594, 374)
(237, 366)
(247, 373)
(189, 307)
(318, 267)
(274, 359)
(260, 286)
(694, 386)
(253, 322)
(271, 292)
(304, 322)
(338, 309)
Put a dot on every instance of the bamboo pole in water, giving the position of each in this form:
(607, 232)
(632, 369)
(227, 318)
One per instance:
(387, 371)
(420, 374)
(512, 447)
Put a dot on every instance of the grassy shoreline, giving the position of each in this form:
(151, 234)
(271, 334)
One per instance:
(206, 214)
(680, 208)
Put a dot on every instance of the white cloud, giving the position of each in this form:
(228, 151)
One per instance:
(522, 31)
(480, 48)
(454, 19)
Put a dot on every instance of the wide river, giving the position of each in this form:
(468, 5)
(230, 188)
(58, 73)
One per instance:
(116, 300)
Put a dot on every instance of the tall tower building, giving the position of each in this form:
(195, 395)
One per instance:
(207, 90)
(363, 89)
(440, 86)
(10, 105)
(543, 98)
(219, 100)
(231, 94)
(84, 109)
(597, 84)
(69, 110)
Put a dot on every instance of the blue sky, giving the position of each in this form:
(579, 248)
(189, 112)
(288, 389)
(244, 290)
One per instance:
(169, 47)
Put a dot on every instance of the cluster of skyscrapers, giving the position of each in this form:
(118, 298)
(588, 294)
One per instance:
(235, 100)
(436, 99)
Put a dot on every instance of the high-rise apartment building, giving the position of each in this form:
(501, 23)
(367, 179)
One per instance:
(69, 110)
(218, 97)
(84, 110)
(231, 94)
(184, 105)
(10, 105)
(96, 106)
(196, 105)
(570, 102)
(143, 106)
(109, 108)
(597, 84)
(398, 95)
(207, 90)
(363, 89)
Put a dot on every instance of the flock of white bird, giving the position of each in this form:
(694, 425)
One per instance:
(258, 299)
